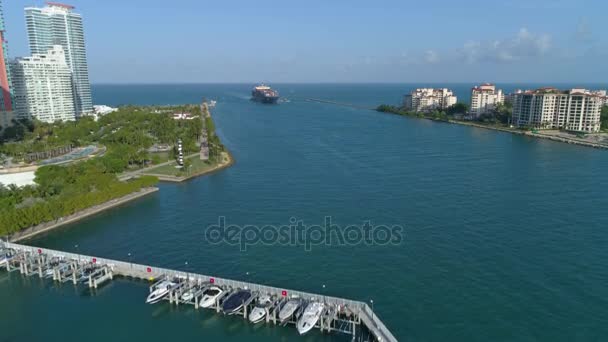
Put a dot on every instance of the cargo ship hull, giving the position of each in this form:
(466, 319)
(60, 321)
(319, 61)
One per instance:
(264, 94)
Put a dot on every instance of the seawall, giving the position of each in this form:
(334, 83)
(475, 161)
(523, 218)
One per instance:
(48, 226)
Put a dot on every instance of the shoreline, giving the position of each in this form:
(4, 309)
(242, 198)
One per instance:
(540, 135)
(48, 226)
(175, 179)
(529, 134)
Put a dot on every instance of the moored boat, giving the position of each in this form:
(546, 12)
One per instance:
(159, 292)
(210, 296)
(236, 301)
(310, 317)
(261, 309)
(289, 309)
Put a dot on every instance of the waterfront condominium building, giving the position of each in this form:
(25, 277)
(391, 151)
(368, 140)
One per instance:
(42, 86)
(57, 24)
(6, 104)
(428, 99)
(549, 108)
(485, 98)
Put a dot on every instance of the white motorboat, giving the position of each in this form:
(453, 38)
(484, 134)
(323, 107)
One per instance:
(209, 296)
(159, 292)
(310, 317)
(289, 309)
(189, 295)
(260, 310)
(6, 255)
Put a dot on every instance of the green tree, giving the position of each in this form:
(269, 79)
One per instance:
(458, 108)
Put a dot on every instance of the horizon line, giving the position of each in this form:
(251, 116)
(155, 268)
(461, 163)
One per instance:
(347, 83)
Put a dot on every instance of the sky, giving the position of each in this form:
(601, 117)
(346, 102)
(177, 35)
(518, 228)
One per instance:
(198, 41)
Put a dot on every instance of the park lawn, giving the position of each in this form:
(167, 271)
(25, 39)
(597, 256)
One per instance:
(198, 166)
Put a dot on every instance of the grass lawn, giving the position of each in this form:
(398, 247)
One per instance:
(198, 166)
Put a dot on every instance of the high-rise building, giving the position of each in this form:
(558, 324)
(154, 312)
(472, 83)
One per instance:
(549, 108)
(485, 98)
(6, 105)
(42, 86)
(57, 24)
(428, 99)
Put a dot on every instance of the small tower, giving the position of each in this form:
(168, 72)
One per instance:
(180, 153)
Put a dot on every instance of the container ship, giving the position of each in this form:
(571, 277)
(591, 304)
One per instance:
(265, 94)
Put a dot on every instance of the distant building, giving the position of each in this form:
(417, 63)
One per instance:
(603, 94)
(6, 119)
(102, 110)
(6, 104)
(428, 99)
(183, 116)
(550, 108)
(42, 87)
(485, 98)
(57, 24)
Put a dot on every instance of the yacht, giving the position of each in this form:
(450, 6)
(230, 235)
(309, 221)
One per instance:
(289, 309)
(236, 301)
(259, 311)
(310, 317)
(159, 292)
(209, 296)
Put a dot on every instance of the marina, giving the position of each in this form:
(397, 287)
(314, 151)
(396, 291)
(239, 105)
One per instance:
(254, 302)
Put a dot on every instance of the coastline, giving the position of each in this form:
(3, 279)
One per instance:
(530, 134)
(540, 135)
(48, 226)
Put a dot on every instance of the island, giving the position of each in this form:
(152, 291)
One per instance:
(499, 119)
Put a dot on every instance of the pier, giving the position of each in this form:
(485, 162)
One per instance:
(339, 315)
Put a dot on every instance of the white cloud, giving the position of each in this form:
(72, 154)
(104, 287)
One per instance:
(524, 45)
(583, 31)
(431, 57)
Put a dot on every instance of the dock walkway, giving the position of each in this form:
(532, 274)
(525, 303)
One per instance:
(341, 315)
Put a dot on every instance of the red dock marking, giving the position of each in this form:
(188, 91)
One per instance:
(212, 280)
(149, 270)
(40, 251)
(94, 260)
(284, 293)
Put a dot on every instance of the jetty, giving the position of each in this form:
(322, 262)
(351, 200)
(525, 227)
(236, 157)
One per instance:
(343, 104)
(339, 315)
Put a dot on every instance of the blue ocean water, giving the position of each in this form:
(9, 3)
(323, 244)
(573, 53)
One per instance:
(505, 235)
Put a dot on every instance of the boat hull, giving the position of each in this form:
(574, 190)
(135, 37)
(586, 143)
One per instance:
(257, 315)
(156, 297)
(287, 312)
(265, 99)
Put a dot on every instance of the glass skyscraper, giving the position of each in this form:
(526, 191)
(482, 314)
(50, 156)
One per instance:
(57, 24)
